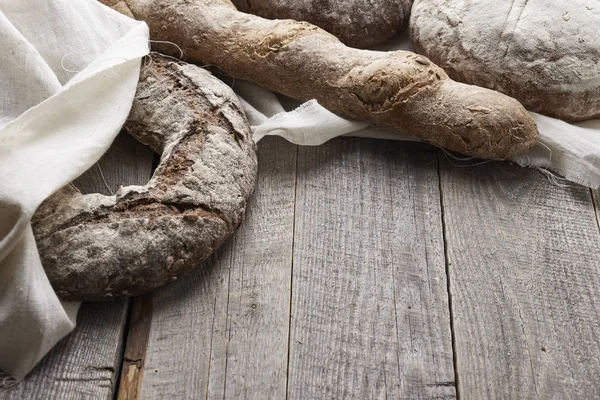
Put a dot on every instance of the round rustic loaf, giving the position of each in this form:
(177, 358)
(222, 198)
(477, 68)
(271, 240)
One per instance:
(546, 54)
(96, 247)
(357, 23)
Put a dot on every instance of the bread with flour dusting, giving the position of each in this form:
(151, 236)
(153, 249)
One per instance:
(546, 54)
(357, 23)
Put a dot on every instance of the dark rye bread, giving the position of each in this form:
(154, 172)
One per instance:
(546, 54)
(357, 23)
(96, 247)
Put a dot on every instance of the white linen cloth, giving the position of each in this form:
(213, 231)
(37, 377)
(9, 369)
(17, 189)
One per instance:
(570, 150)
(68, 75)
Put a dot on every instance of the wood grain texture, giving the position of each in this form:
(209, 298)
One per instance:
(134, 357)
(222, 330)
(370, 315)
(127, 162)
(524, 283)
(85, 364)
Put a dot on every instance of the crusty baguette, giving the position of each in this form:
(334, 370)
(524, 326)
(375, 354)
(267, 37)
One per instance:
(399, 90)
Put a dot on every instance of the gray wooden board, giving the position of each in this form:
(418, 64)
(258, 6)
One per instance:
(85, 364)
(524, 278)
(362, 261)
(370, 314)
(222, 330)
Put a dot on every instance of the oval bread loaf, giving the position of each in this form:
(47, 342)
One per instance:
(546, 54)
(96, 247)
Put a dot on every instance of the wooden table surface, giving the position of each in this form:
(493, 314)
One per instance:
(364, 269)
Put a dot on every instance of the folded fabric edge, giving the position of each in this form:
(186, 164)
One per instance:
(554, 175)
(269, 127)
(137, 45)
(139, 38)
(136, 42)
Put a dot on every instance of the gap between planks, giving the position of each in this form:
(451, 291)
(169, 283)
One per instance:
(287, 371)
(596, 201)
(448, 277)
(134, 356)
(525, 283)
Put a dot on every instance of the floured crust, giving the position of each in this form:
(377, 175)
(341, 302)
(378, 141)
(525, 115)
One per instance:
(399, 90)
(96, 247)
(357, 23)
(546, 54)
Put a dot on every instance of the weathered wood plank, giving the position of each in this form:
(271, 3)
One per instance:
(258, 311)
(85, 364)
(134, 357)
(222, 330)
(370, 315)
(524, 283)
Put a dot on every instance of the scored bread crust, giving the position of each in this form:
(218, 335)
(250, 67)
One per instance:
(357, 23)
(96, 247)
(546, 54)
(399, 90)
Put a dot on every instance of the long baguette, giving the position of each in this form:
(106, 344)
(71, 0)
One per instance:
(399, 90)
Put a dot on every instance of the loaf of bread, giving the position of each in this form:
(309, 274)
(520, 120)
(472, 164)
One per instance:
(546, 54)
(96, 247)
(400, 90)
